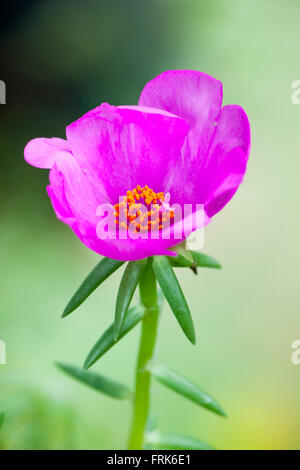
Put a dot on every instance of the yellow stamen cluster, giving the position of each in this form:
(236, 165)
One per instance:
(143, 209)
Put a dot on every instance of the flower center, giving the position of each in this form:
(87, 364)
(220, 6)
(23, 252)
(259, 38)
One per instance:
(142, 209)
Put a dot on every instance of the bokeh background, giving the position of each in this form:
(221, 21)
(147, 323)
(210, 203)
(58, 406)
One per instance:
(61, 58)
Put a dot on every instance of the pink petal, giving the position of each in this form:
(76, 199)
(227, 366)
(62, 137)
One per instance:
(232, 131)
(122, 147)
(226, 184)
(192, 95)
(202, 179)
(72, 189)
(227, 159)
(41, 152)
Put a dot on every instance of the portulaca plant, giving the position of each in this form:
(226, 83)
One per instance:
(133, 183)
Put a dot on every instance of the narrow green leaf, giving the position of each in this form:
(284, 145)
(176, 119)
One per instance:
(107, 339)
(126, 290)
(205, 261)
(99, 382)
(165, 440)
(174, 295)
(2, 416)
(102, 271)
(185, 387)
(199, 260)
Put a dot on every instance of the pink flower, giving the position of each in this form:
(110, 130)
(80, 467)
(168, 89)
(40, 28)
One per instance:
(178, 146)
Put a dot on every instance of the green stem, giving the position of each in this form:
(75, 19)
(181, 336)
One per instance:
(148, 293)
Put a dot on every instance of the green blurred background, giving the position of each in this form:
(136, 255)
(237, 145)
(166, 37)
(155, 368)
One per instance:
(61, 58)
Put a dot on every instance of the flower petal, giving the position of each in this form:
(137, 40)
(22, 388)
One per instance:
(71, 187)
(57, 196)
(203, 179)
(192, 95)
(232, 131)
(226, 183)
(227, 159)
(125, 146)
(41, 152)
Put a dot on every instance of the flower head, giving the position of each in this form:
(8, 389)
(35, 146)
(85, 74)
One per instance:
(177, 147)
